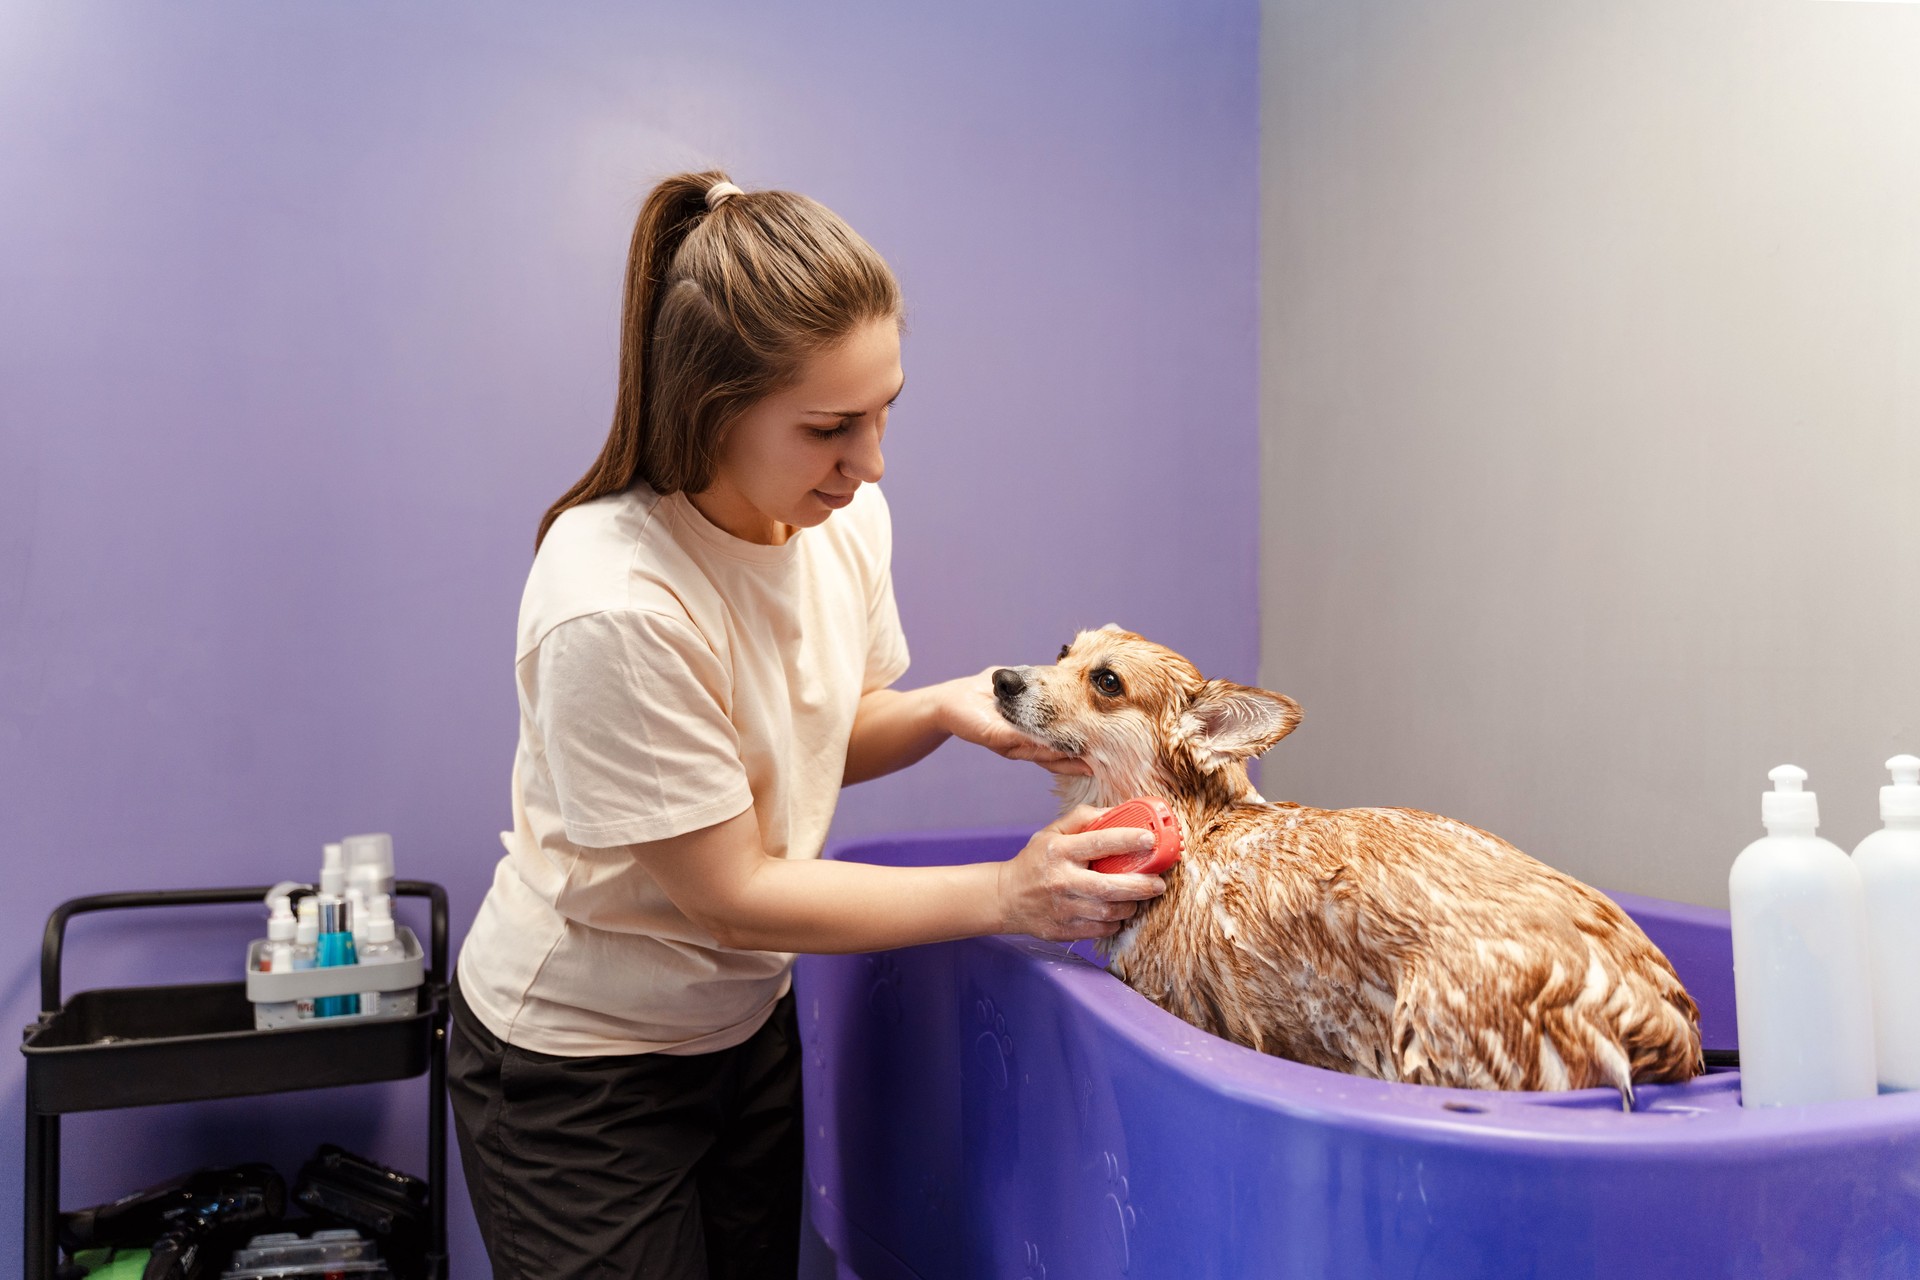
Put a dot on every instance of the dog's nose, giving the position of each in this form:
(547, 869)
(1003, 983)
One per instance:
(1007, 682)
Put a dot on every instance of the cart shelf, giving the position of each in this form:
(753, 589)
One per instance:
(143, 1046)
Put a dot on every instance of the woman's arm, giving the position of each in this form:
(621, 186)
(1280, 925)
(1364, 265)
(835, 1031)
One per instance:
(895, 727)
(726, 883)
(892, 729)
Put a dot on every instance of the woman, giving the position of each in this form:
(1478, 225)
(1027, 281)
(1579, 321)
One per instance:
(706, 641)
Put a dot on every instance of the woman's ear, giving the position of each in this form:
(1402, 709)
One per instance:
(1225, 721)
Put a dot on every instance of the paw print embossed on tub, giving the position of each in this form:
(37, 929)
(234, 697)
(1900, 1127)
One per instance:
(1119, 1217)
(883, 996)
(992, 1046)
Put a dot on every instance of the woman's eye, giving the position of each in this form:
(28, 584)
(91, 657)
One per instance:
(1107, 682)
(833, 433)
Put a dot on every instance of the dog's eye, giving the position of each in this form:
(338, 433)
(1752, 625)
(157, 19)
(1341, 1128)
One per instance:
(1063, 653)
(1107, 682)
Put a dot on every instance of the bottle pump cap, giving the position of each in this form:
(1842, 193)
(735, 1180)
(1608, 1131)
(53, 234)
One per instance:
(333, 871)
(281, 894)
(380, 919)
(1902, 799)
(281, 925)
(308, 929)
(1787, 805)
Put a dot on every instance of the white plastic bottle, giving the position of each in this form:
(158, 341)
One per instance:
(363, 886)
(1889, 863)
(375, 849)
(306, 946)
(383, 948)
(277, 957)
(281, 927)
(333, 871)
(306, 934)
(1801, 973)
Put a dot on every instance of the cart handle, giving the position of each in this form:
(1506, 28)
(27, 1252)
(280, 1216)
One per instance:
(55, 938)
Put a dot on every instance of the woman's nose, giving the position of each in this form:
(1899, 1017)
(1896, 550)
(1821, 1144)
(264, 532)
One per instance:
(862, 461)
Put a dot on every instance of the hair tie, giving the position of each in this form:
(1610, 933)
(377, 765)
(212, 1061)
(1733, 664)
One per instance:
(719, 191)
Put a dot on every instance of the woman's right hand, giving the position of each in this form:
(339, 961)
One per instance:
(1048, 891)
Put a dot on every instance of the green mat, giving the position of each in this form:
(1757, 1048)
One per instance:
(114, 1264)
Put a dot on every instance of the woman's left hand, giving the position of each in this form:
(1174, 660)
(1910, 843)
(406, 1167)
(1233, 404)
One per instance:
(968, 710)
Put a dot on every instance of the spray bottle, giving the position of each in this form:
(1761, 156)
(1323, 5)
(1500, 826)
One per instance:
(1889, 864)
(363, 886)
(382, 947)
(281, 928)
(306, 948)
(1801, 974)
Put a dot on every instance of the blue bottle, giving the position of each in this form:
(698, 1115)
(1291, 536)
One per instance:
(335, 948)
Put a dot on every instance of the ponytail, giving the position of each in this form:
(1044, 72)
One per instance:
(721, 307)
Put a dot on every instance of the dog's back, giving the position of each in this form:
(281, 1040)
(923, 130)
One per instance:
(1407, 946)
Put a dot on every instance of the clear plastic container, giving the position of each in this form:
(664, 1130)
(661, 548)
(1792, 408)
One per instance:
(324, 1253)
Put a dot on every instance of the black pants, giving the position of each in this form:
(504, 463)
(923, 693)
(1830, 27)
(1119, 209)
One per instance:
(644, 1166)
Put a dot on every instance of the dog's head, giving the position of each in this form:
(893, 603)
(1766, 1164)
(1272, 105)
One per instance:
(1143, 717)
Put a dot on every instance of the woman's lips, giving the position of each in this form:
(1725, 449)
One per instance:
(834, 500)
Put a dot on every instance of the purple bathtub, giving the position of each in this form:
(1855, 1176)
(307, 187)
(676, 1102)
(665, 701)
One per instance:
(1003, 1107)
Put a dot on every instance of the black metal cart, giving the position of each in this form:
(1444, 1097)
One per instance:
(140, 1046)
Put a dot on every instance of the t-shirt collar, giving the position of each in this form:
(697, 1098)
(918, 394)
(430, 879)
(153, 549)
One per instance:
(688, 518)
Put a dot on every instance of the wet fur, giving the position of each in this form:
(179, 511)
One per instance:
(1383, 942)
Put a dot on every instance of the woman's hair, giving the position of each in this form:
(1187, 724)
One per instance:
(722, 307)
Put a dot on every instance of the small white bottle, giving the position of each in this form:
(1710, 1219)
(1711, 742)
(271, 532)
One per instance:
(1801, 975)
(277, 957)
(1889, 863)
(383, 948)
(306, 945)
(306, 934)
(333, 871)
(363, 886)
(280, 928)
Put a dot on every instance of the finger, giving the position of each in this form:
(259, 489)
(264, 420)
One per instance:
(1121, 886)
(1090, 846)
(1074, 819)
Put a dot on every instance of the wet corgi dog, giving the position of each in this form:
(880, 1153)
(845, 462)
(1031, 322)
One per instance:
(1382, 942)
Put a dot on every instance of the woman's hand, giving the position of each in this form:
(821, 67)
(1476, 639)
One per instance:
(967, 710)
(1048, 891)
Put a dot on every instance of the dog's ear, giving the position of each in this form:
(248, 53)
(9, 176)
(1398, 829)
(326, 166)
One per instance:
(1227, 721)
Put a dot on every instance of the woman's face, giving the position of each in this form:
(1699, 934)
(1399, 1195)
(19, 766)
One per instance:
(797, 456)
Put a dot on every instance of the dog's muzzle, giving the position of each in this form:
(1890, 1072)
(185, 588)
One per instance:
(1014, 697)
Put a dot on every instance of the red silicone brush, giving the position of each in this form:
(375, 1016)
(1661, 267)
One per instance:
(1152, 813)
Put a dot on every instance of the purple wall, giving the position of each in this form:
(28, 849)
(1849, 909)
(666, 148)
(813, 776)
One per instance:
(307, 312)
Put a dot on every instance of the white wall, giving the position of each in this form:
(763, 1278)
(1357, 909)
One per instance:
(1591, 415)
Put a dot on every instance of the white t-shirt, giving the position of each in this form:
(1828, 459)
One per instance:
(671, 676)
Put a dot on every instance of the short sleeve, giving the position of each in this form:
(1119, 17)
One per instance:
(631, 709)
(887, 657)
